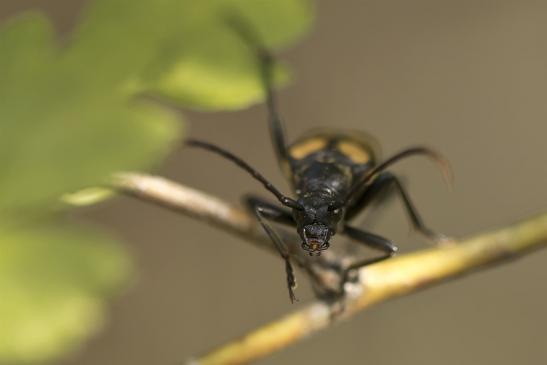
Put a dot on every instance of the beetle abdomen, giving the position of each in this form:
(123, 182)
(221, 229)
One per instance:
(349, 152)
(357, 147)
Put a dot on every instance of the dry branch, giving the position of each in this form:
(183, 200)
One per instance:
(207, 208)
(376, 283)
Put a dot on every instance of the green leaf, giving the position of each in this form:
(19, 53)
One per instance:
(53, 281)
(72, 115)
(65, 119)
(214, 69)
(195, 59)
(60, 130)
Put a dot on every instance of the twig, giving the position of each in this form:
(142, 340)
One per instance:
(376, 283)
(207, 208)
(382, 281)
(191, 202)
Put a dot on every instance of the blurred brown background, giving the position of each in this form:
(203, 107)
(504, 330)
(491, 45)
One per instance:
(467, 77)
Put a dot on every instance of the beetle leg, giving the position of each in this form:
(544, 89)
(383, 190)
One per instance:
(275, 213)
(264, 211)
(379, 188)
(266, 63)
(371, 240)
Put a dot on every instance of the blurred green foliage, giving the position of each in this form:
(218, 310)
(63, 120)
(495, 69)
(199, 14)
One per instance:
(72, 114)
(52, 280)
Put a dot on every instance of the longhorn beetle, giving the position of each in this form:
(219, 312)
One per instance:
(334, 175)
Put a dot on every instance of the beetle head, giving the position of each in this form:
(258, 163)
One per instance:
(316, 224)
(315, 238)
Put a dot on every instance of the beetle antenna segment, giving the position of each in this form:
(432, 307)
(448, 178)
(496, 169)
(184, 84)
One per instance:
(435, 156)
(285, 200)
(266, 63)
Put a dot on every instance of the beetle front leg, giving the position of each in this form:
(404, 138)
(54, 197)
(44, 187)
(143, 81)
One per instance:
(370, 240)
(264, 211)
(275, 213)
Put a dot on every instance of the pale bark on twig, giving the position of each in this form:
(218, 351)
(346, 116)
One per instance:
(235, 220)
(376, 283)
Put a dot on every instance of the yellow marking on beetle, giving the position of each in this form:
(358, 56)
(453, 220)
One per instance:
(355, 151)
(306, 147)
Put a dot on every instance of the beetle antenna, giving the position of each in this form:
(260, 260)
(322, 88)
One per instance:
(435, 156)
(285, 200)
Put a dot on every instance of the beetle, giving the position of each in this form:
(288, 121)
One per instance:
(334, 175)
